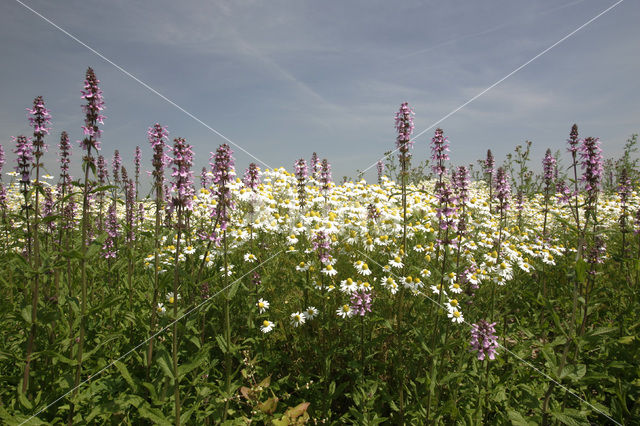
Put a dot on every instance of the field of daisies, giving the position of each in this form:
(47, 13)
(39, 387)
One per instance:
(438, 294)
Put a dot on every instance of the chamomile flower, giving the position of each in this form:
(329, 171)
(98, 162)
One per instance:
(297, 319)
(302, 266)
(161, 309)
(189, 250)
(455, 288)
(437, 289)
(267, 326)
(262, 305)
(348, 286)
(292, 239)
(310, 313)
(452, 305)
(425, 273)
(456, 316)
(344, 311)
(171, 298)
(396, 262)
(250, 258)
(328, 270)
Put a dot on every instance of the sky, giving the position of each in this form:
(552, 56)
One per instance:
(282, 79)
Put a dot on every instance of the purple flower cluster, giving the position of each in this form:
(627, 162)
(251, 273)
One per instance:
(372, 212)
(597, 252)
(157, 136)
(439, 149)
(222, 167)
(361, 302)
(548, 169)
(40, 120)
(484, 340)
(48, 210)
(112, 228)
(325, 176)
(93, 112)
(115, 164)
(130, 198)
(503, 190)
(591, 161)
(182, 185)
(252, 177)
(24, 152)
(573, 140)
(300, 170)
(563, 190)
(460, 182)
(321, 245)
(65, 154)
(315, 165)
(446, 207)
(380, 167)
(1, 160)
(205, 178)
(404, 126)
(624, 186)
(489, 163)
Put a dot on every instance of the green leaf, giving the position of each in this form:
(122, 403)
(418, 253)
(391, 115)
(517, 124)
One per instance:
(516, 418)
(164, 365)
(125, 374)
(570, 417)
(297, 411)
(26, 313)
(269, 406)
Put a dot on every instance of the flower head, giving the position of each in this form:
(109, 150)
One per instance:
(361, 302)
(182, 185)
(93, 112)
(484, 340)
(404, 126)
(222, 167)
(252, 176)
(439, 149)
(548, 166)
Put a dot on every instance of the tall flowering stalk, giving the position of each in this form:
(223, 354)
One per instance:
(484, 340)
(103, 175)
(93, 116)
(489, 165)
(157, 136)
(300, 168)
(314, 164)
(624, 192)
(116, 163)
(404, 126)
(222, 168)
(130, 235)
(380, 168)
(3, 201)
(252, 177)
(181, 202)
(136, 163)
(548, 167)
(112, 227)
(325, 178)
(573, 143)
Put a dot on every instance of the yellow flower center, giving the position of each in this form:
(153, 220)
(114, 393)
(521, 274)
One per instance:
(171, 299)
(266, 323)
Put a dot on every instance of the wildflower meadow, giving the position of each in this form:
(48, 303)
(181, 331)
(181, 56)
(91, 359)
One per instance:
(500, 292)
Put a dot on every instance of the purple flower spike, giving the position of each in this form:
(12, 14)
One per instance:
(321, 246)
(439, 149)
(112, 228)
(591, 156)
(548, 166)
(315, 165)
(40, 120)
(300, 167)
(484, 340)
(503, 190)
(325, 176)
(158, 136)
(361, 302)
(573, 140)
(65, 159)
(93, 112)
(489, 163)
(115, 164)
(380, 167)
(1, 160)
(182, 185)
(222, 167)
(24, 152)
(252, 177)
(404, 126)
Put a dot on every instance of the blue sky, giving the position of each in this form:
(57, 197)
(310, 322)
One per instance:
(286, 78)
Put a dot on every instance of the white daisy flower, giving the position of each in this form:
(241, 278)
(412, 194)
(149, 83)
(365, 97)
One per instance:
(262, 305)
(250, 258)
(452, 305)
(328, 270)
(455, 288)
(344, 311)
(456, 316)
(348, 286)
(310, 313)
(189, 250)
(396, 262)
(292, 239)
(171, 298)
(297, 319)
(161, 309)
(267, 326)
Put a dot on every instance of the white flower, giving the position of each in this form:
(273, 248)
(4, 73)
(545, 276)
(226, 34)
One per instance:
(456, 316)
(455, 288)
(328, 270)
(396, 262)
(436, 290)
(301, 267)
(189, 250)
(171, 298)
(267, 326)
(262, 305)
(310, 313)
(348, 286)
(297, 319)
(161, 309)
(425, 273)
(344, 311)
(250, 258)
(452, 305)
(292, 239)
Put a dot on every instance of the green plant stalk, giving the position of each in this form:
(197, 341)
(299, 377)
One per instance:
(36, 279)
(174, 351)
(400, 311)
(83, 272)
(156, 264)
(227, 330)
